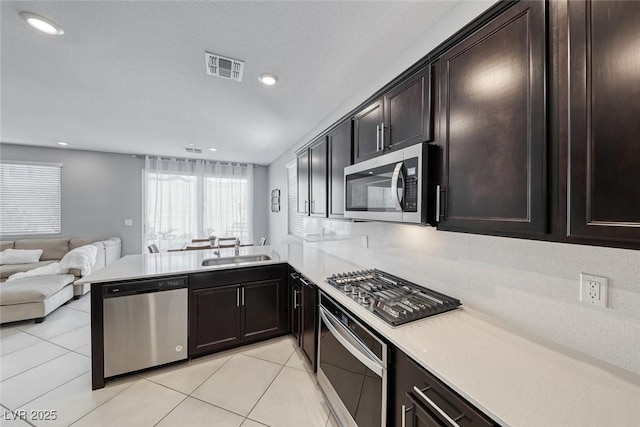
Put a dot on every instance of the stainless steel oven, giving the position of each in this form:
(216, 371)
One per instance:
(352, 367)
(398, 186)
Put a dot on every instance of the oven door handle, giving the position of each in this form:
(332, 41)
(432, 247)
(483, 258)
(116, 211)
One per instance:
(394, 186)
(345, 338)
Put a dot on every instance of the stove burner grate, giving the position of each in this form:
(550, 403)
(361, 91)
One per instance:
(393, 299)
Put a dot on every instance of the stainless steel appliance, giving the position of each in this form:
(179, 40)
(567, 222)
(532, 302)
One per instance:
(391, 298)
(398, 186)
(145, 324)
(352, 367)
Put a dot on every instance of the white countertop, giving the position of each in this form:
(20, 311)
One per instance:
(516, 378)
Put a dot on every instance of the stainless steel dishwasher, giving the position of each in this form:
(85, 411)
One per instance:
(145, 324)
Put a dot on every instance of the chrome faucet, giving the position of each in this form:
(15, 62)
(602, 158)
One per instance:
(215, 244)
(237, 246)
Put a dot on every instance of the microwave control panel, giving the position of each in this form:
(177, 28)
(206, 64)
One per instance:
(411, 185)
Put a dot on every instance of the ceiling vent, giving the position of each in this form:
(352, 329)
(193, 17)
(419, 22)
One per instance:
(193, 150)
(226, 68)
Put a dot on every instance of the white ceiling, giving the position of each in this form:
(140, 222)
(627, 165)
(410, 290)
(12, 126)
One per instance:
(130, 76)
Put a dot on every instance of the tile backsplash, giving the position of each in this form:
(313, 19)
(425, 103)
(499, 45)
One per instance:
(532, 285)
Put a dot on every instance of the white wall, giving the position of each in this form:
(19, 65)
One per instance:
(101, 190)
(532, 285)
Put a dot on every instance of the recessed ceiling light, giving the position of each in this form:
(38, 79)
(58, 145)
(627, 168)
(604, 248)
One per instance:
(41, 23)
(62, 143)
(213, 149)
(268, 79)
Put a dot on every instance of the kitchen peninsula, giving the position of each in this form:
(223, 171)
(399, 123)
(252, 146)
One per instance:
(513, 377)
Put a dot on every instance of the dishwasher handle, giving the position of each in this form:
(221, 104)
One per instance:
(116, 290)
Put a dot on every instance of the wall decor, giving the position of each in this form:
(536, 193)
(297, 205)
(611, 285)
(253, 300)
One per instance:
(275, 200)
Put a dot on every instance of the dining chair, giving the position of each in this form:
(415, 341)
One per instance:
(199, 240)
(153, 248)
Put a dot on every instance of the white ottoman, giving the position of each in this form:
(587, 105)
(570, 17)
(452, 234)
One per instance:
(34, 297)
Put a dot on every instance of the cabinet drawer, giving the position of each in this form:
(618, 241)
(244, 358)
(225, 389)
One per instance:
(235, 276)
(421, 395)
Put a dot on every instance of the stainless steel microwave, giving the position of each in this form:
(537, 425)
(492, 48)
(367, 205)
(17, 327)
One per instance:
(398, 186)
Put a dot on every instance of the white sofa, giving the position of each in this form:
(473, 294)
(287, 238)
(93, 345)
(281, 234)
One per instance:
(36, 297)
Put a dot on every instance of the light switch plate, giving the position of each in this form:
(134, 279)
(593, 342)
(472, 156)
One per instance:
(365, 241)
(594, 289)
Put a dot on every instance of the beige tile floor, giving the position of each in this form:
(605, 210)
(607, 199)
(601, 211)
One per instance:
(45, 367)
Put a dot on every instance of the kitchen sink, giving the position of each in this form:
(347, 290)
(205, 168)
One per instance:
(235, 260)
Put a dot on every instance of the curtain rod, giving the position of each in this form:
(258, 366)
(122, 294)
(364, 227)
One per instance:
(184, 159)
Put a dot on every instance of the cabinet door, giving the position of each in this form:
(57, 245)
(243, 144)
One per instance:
(339, 141)
(367, 141)
(408, 109)
(318, 176)
(492, 126)
(262, 310)
(296, 309)
(303, 182)
(309, 317)
(604, 153)
(214, 319)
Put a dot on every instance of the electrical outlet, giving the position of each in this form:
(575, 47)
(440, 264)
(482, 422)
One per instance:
(128, 222)
(365, 241)
(593, 289)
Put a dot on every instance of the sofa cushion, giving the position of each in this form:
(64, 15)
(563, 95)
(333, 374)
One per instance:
(8, 270)
(6, 244)
(76, 242)
(20, 256)
(53, 248)
(32, 289)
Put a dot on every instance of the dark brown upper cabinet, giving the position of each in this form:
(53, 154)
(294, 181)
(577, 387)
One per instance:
(409, 111)
(318, 178)
(339, 144)
(366, 132)
(303, 182)
(492, 126)
(604, 106)
(403, 117)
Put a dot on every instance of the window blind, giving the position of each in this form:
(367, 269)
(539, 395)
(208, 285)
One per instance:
(29, 198)
(294, 219)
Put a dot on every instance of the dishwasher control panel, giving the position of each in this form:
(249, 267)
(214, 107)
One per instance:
(143, 287)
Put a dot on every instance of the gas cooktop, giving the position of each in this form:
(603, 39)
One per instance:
(394, 300)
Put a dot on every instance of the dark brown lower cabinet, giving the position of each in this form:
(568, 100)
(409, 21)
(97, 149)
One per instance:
(419, 399)
(262, 308)
(309, 333)
(235, 307)
(215, 319)
(296, 305)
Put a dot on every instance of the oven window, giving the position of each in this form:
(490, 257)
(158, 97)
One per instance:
(370, 190)
(359, 388)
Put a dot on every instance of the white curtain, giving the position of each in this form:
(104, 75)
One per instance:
(187, 199)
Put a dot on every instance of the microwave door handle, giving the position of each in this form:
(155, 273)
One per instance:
(394, 186)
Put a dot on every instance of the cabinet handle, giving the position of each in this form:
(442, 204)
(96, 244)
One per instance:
(403, 414)
(382, 136)
(377, 137)
(295, 299)
(435, 407)
(306, 203)
(243, 295)
(311, 206)
(238, 297)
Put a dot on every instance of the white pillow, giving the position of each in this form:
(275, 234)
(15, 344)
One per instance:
(20, 256)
